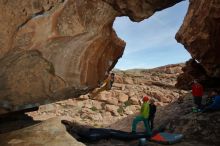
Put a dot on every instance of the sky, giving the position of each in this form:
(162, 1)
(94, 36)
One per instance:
(151, 43)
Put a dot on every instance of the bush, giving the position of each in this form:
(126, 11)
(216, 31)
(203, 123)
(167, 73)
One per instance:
(94, 108)
(127, 103)
(120, 110)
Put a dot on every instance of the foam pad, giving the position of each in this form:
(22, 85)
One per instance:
(167, 138)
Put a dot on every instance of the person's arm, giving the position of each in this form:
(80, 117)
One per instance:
(142, 108)
(104, 83)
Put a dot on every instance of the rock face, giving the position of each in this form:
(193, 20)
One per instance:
(48, 133)
(194, 70)
(54, 49)
(200, 35)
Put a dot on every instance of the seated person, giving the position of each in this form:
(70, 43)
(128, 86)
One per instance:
(216, 103)
(209, 99)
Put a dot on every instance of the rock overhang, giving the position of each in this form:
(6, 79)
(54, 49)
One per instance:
(57, 49)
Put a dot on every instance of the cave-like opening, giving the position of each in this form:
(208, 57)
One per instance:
(151, 43)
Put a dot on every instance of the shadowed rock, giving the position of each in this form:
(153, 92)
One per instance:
(200, 36)
(49, 133)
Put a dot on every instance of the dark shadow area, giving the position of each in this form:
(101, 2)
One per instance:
(96, 134)
(16, 120)
(194, 70)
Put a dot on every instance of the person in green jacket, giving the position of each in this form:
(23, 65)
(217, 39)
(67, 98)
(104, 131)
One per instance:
(144, 116)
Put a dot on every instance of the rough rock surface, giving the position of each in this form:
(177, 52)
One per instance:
(55, 49)
(122, 100)
(49, 133)
(194, 70)
(200, 129)
(200, 36)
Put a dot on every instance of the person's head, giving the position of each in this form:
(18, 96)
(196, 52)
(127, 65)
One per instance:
(152, 101)
(209, 93)
(145, 99)
(195, 81)
(214, 93)
(112, 76)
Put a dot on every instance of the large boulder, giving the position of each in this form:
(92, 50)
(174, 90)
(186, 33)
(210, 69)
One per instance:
(51, 50)
(49, 133)
(199, 34)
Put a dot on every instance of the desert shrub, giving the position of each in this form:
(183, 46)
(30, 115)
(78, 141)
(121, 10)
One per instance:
(127, 103)
(94, 108)
(120, 110)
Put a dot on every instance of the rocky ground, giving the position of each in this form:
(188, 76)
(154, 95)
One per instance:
(116, 109)
(123, 100)
(201, 129)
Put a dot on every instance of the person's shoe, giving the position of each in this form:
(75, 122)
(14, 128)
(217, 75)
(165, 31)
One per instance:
(194, 109)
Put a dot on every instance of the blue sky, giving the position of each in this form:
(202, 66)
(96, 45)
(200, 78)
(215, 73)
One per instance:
(151, 43)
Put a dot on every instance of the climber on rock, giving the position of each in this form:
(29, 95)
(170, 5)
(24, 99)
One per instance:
(153, 109)
(112, 80)
(144, 116)
(107, 85)
(216, 102)
(197, 92)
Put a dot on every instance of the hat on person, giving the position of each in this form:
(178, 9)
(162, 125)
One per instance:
(145, 99)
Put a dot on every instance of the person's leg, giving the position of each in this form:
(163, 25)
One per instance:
(147, 127)
(135, 122)
(200, 102)
(152, 123)
(94, 93)
(197, 101)
(97, 91)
